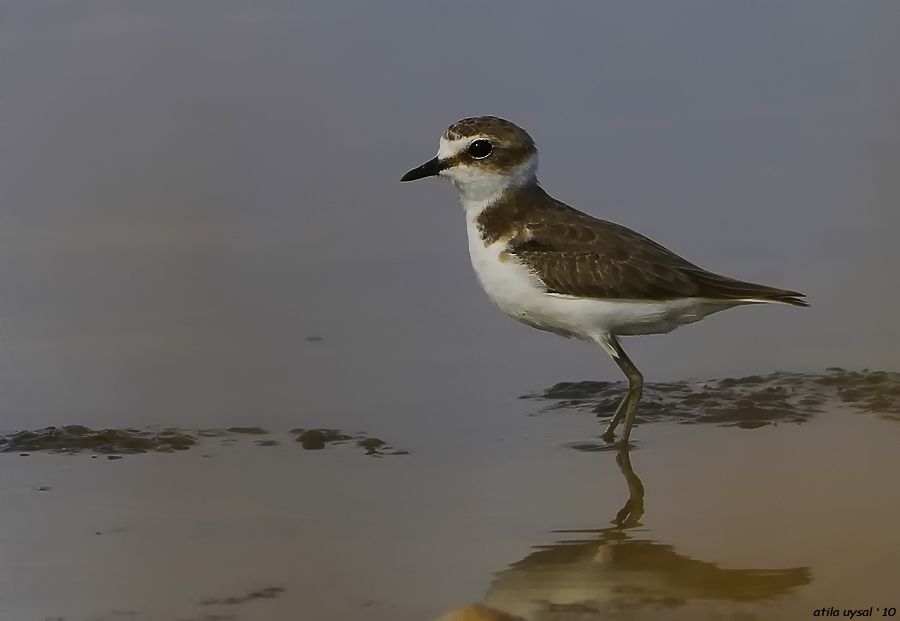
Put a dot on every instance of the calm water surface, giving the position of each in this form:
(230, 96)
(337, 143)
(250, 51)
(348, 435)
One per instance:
(201, 226)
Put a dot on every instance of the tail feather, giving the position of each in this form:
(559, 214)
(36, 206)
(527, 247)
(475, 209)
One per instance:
(723, 288)
(793, 300)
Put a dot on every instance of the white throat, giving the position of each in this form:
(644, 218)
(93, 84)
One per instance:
(479, 188)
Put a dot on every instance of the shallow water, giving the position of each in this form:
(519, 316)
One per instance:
(202, 231)
(713, 519)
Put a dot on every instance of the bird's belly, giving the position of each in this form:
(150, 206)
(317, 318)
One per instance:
(520, 294)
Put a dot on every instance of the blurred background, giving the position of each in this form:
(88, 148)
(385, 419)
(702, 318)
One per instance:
(189, 190)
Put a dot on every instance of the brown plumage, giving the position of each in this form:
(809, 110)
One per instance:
(579, 255)
(512, 144)
(557, 269)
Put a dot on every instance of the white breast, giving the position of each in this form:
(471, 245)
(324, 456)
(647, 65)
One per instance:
(508, 283)
(520, 294)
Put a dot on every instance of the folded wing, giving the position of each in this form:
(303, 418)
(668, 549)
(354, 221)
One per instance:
(578, 255)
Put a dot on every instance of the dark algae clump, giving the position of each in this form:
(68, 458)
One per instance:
(78, 439)
(253, 431)
(74, 439)
(318, 439)
(746, 402)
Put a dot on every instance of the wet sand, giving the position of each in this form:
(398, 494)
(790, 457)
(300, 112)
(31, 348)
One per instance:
(716, 519)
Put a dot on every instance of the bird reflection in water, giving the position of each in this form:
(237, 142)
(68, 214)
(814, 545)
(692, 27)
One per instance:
(613, 571)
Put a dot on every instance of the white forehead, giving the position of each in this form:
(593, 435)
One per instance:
(449, 148)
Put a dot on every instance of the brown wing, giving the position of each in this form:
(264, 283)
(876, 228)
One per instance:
(576, 254)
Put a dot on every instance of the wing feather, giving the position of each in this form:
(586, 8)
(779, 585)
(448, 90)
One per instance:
(579, 255)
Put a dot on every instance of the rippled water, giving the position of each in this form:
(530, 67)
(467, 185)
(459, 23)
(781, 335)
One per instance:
(203, 237)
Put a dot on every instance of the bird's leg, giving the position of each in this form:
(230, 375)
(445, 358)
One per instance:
(609, 434)
(635, 388)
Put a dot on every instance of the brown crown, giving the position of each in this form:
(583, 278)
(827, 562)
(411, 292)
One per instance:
(512, 144)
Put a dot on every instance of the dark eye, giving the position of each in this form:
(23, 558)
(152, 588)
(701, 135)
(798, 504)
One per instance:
(480, 149)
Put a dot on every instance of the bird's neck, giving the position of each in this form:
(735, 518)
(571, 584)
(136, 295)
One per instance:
(477, 193)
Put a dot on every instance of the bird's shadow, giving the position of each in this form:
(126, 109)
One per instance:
(746, 402)
(615, 570)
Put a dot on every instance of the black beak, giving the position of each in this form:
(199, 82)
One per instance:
(428, 169)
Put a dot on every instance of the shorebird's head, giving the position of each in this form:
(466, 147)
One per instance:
(482, 156)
